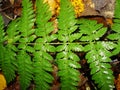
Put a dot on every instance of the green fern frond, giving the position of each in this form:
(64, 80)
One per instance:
(66, 59)
(117, 9)
(25, 69)
(7, 56)
(42, 58)
(98, 58)
(90, 30)
(1, 29)
(98, 53)
(115, 28)
(27, 18)
(27, 43)
(13, 36)
(115, 36)
(26, 25)
(25, 46)
(116, 25)
(42, 69)
(9, 63)
(2, 34)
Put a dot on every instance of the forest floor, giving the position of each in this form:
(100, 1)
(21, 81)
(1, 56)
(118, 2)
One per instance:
(11, 9)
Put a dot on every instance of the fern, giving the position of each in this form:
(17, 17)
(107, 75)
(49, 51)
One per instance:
(27, 43)
(117, 7)
(66, 59)
(91, 30)
(115, 36)
(7, 56)
(98, 54)
(99, 57)
(2, 34)
(25, 69)
(9, 64)
(42, 59)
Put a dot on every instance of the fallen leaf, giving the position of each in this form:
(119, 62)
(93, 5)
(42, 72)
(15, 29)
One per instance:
(2, 82)
(117, 82)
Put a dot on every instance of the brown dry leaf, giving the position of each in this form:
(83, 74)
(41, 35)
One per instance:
(17, 8)
(2, 82)
(117, 82)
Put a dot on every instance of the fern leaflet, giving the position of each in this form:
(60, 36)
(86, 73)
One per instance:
(7, 56)
(25, 69)
(66, 59)
(2, 33)
(42, 59)
(117, 9)
(99, 58)
(115, 35)
(9, 64)
(98, 54)
(90, 30)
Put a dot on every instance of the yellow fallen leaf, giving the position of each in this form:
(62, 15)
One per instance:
(55, 6)
(2, 82)
(78, 6)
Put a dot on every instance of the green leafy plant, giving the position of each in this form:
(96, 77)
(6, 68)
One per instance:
(26, 23)
(2, 33)
(115, 36)
(97, 53)
(27, 43)
(66, 59)
(42, 60)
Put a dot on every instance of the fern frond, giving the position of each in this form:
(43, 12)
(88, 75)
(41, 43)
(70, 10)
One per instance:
(26, 24)
(66, 59)
(115, 36)
(98, 58)
(25, 69)
(42, 59)
(12, 36)
(9, 63)
(117, 9)
(90, 30)
(2, 34)
(115, 28)
(26, 30)
(7, 56)
(42, 69)
(116, 25)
